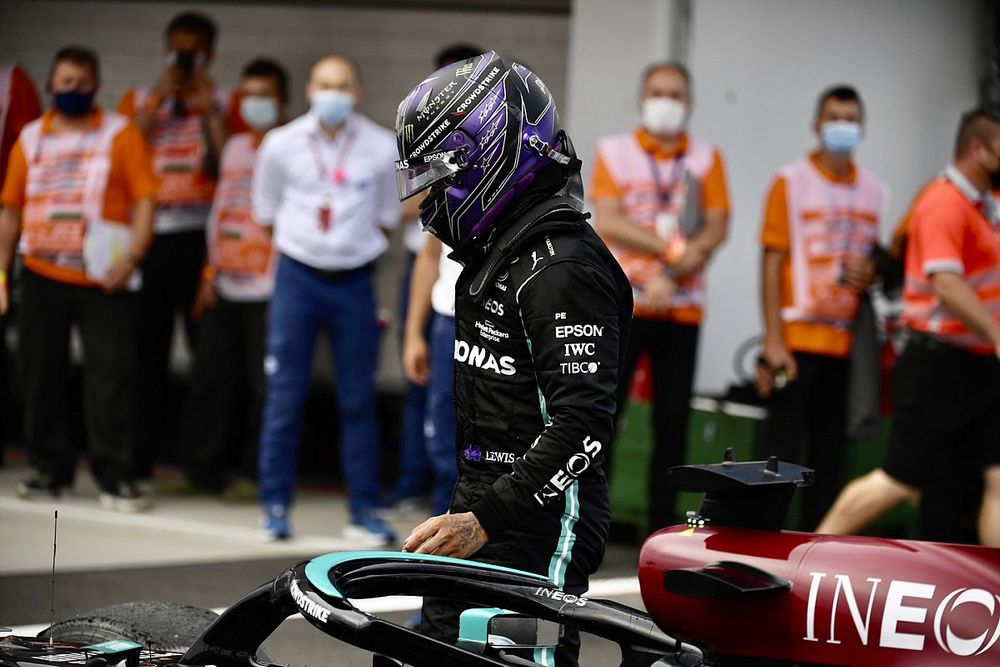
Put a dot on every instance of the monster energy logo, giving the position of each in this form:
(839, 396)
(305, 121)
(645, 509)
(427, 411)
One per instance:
(408, 132)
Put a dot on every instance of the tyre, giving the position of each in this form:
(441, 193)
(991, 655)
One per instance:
(161, 626)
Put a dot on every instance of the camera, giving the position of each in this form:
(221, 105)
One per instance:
(185, 61)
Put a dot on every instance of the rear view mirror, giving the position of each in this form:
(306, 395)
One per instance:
(494, 628)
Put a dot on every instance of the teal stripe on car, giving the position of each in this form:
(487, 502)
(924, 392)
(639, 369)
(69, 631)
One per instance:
(318, 569)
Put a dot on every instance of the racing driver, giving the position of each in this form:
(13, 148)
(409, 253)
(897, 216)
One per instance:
(542, 314)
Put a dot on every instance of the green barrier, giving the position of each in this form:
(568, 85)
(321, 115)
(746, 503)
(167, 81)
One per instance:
(630, 466)
(713, 426)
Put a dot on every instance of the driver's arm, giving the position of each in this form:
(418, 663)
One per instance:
(579, 399)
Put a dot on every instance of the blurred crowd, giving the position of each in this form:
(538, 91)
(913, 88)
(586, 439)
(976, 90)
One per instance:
(209, 205)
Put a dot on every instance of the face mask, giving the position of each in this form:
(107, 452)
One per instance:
(332, 106)
(841, 136)
(73, 103)
(662, 115)
(259, 112)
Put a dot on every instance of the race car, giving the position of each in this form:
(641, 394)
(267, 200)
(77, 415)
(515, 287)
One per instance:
(728, 588)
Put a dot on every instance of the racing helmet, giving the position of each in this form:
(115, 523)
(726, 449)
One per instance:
(477, 132)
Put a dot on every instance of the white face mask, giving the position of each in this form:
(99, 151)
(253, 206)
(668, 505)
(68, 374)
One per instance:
(840, 137)
(259, 112)
(332, 106)
(663, 115)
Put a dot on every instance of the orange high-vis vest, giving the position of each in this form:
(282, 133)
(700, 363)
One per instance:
(239, 249)
(179, 147)
(631, 168)
(65, 187)
(829, 223)
(948, 232)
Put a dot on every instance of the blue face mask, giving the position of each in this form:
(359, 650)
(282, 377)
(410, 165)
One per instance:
(259, 112)
(73, 103)
(841, 137)
(332, 106)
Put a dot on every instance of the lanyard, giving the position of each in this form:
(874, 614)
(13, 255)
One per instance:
(337, 175)
(843, 211)
(664, 191)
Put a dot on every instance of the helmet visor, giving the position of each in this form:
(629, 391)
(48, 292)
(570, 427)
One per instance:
(417, 174)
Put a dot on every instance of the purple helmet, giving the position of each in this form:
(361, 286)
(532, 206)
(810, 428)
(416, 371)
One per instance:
(478, 131)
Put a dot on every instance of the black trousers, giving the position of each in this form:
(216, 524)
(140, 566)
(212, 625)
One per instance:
(673, 351)
(220, 422)
(170, 277)
(812, 410)
(107, 325)
(566, 547)
(946, 431)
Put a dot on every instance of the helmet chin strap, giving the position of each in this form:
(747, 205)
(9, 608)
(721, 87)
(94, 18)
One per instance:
(566, 159)
(545, 149)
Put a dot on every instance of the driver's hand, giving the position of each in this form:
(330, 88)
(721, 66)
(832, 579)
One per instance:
(455, 535)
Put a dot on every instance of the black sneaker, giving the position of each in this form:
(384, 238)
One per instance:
(40, 486)
(126, 498)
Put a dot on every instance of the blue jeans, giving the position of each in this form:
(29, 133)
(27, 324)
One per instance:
(302, 303)
(439, 426)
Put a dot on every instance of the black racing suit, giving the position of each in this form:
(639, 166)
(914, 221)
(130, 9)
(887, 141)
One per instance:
(542, 320)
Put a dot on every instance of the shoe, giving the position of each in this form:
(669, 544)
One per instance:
(40, 486)
(370, 530)
(126, 498)
(242, 490)
(274, 522)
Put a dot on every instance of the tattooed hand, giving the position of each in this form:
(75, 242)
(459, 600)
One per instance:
(455, 535)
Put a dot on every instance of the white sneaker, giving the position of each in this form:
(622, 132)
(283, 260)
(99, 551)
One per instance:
(128, 498)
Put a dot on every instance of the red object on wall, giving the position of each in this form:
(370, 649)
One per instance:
(641, 384)
(887, 363)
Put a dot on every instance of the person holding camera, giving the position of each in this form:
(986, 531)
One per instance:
(820, 224)
(186, 120)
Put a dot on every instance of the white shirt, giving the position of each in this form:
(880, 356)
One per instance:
(296, 173)
(413, 236)
(443, 292)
